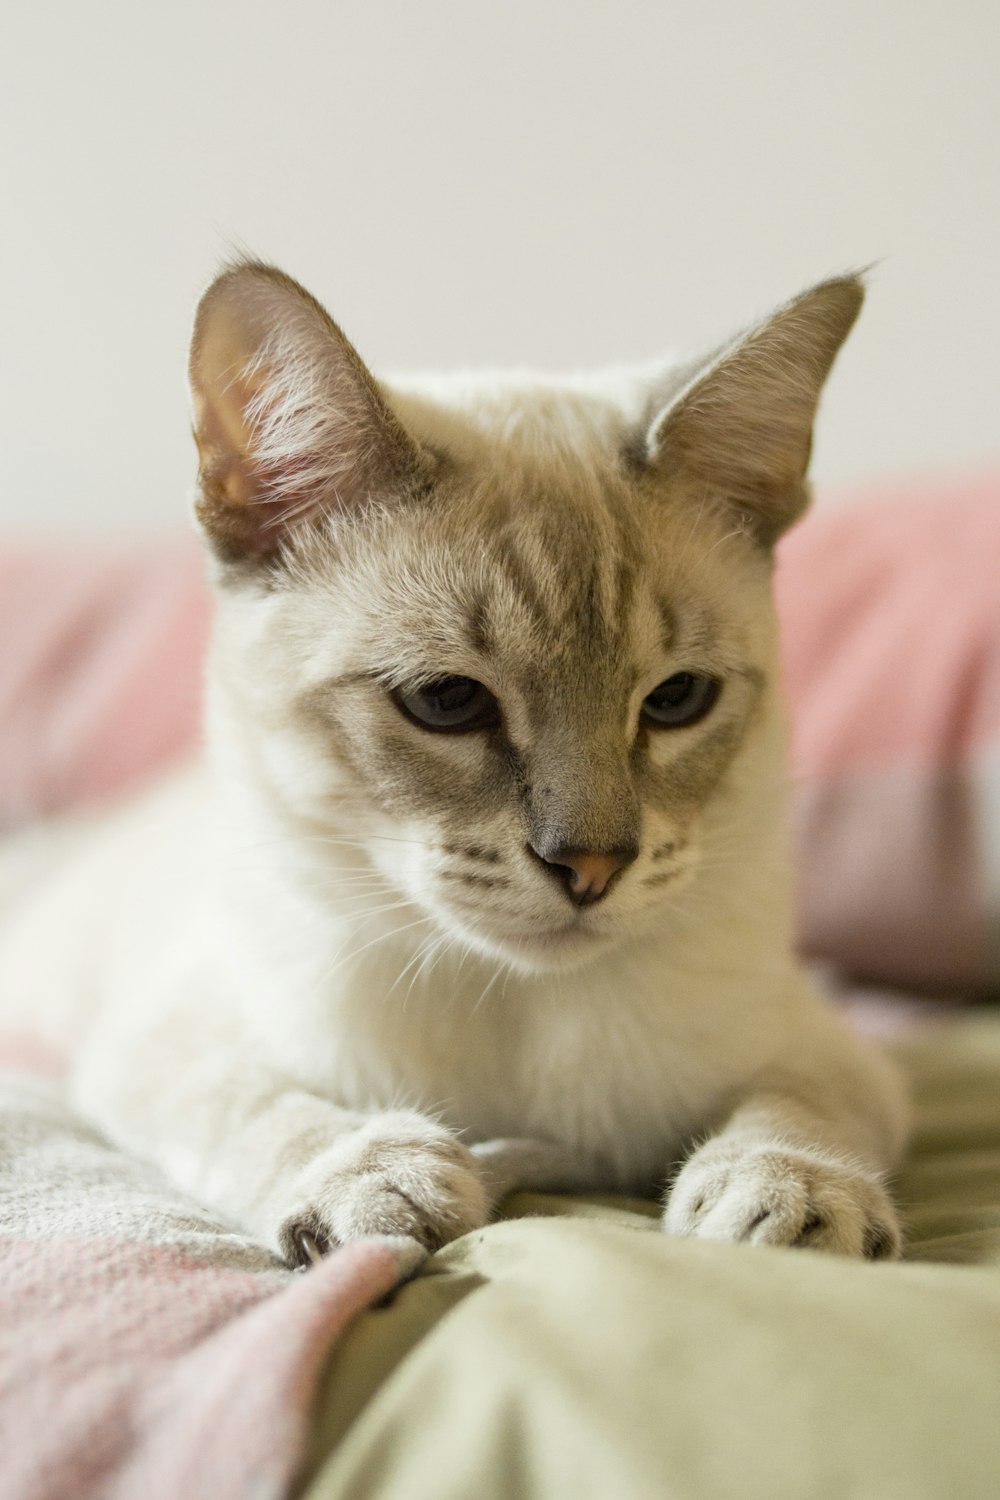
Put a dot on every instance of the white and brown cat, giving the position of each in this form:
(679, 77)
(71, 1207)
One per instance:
(484, 881)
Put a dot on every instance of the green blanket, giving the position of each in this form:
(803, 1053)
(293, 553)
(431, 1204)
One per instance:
(573, 1351)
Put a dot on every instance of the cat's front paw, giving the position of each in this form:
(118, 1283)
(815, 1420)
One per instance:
(777, 1195)
(399, 1174)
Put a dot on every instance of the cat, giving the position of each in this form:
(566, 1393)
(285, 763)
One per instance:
(483, 882)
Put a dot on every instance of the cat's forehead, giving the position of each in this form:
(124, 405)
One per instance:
(551, 572)
(547, 569)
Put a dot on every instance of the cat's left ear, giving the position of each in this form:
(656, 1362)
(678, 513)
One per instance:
(288, 420)
(742, 427)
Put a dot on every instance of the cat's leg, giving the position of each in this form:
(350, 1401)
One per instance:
(281, 1161)
(801, 1160)
(527, 1165)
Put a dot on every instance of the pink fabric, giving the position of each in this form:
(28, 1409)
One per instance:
(147, 1350)
(890, 610)
(132, 1373)
(100, 675)
(891, 629)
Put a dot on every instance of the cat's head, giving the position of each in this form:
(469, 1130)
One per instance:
(507, 641)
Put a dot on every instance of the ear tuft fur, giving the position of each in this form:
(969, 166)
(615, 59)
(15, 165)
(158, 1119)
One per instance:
(288, 420)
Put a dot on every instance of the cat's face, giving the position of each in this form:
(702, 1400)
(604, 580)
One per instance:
(504, 679)
(522, 671)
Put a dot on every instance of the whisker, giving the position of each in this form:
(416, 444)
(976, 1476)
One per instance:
(420, 953)
(738, 531)
(431, 955)
(330, 881)
(384, 838)
(444, 947)
(341, 957)
(489, 985)
(384, 936)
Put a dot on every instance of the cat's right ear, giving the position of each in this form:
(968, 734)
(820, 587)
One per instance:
(742, 427)
(288, 420)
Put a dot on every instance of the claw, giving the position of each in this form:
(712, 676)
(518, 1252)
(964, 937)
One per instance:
(311, 1248)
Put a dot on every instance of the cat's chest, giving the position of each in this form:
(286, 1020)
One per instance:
(609, 1075)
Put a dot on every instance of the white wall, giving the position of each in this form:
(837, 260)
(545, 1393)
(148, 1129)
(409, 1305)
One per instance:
(530, 181)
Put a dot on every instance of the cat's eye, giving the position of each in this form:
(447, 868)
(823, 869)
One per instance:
(450, 704)
(681, 699)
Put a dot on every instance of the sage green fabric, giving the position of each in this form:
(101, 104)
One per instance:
(573, 1351)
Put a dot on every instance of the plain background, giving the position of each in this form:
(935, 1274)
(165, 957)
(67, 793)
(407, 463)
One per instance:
(557, 183)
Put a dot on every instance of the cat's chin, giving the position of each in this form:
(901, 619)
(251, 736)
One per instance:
(564, 947)
(558, 950)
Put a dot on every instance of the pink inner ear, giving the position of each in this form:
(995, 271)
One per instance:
(221, 435)
(245, 499)
(225, 383)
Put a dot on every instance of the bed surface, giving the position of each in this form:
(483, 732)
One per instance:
(574, 1351)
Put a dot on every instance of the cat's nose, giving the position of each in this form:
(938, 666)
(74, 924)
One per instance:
(586, 875)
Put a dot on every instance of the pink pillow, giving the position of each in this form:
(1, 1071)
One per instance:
(891, 641)
(891, 621)
(100, 675)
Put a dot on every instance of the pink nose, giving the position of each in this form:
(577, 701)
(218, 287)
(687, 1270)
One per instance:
(587, 876)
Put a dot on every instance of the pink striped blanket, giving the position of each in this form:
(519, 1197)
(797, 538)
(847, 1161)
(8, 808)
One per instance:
(147, 1349)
